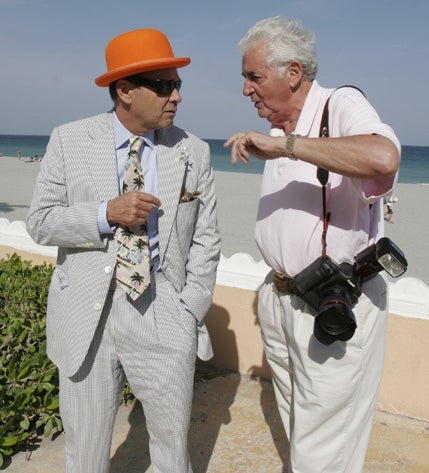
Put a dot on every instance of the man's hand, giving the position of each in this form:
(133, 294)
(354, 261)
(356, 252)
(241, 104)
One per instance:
(253, 142)
(131, 208)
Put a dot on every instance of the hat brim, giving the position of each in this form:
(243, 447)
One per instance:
(130, 69)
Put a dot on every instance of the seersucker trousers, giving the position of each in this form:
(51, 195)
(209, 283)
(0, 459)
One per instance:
(152, 343)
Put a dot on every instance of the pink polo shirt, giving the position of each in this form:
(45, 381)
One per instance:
(290, 215)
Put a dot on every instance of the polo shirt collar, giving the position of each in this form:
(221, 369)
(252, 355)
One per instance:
(307, 117)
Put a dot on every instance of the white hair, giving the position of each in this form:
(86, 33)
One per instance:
(287, 40)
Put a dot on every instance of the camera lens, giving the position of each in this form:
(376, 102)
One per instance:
(335, 319)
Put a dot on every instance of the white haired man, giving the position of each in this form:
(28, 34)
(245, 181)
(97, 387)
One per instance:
(326, 387)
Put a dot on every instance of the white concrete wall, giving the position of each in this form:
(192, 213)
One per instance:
(408, 297)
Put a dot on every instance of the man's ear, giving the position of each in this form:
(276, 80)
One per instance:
(295, 73)
(123, 88)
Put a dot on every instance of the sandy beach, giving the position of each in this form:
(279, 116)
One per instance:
(238, 195)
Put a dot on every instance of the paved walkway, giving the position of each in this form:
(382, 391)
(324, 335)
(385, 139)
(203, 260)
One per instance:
(235, 429)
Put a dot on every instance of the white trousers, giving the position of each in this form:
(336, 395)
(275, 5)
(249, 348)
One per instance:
(152, 343)
(326, 394)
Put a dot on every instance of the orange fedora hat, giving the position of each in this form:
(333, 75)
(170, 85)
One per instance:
(138, 51)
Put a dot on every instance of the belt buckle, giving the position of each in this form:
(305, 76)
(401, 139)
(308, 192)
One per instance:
(282, 282)
(280, 276)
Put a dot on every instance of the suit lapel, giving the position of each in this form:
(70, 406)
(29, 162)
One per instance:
(102, 167)
(171, 171)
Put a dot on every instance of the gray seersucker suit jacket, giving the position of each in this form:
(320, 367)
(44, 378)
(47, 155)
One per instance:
(78, 171)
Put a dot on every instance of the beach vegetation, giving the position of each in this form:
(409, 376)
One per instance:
(29, 383)
(29, 404)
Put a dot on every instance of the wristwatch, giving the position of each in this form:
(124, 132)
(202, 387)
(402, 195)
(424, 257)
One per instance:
(290, 142)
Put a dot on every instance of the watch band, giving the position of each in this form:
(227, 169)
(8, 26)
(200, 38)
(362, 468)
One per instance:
(290, 142)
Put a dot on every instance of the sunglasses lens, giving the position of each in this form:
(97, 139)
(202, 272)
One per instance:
(166, 87)
(161, 86)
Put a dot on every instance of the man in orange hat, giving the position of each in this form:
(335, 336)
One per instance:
(129, 200)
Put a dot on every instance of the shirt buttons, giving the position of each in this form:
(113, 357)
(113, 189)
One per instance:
(108, 269)
(98, 306)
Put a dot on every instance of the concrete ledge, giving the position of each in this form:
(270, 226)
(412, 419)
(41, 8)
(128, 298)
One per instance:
(15, 235)
(409, 297)
(233, 325)
(234, 329)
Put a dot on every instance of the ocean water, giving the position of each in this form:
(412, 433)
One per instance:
(414, 164)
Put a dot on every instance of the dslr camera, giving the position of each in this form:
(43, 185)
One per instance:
(333, 289)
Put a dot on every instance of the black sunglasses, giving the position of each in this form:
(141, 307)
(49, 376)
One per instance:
(160, 86)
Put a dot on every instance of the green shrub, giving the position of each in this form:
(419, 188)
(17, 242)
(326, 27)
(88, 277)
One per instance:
(29, 395)
(29, 405)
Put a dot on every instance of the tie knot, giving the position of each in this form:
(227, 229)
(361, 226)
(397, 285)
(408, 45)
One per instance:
(135, 143)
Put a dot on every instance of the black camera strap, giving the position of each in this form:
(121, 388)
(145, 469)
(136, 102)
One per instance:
(323, 174)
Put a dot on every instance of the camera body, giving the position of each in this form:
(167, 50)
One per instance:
(332, 289)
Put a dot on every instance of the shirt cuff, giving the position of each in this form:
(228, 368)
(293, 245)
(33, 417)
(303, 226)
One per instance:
(103, 225)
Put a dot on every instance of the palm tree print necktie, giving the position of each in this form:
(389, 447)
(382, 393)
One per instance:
(133, 257)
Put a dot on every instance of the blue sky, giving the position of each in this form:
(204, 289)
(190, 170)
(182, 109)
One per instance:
(52, 50)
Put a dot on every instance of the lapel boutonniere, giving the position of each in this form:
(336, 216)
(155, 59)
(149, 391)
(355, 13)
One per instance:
(184, 155)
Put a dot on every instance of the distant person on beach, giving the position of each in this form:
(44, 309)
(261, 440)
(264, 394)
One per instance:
(320, 197)
(129, 199)
(19, 154)
(389, 201)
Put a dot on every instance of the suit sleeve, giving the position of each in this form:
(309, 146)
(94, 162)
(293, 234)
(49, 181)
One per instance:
(58, 215)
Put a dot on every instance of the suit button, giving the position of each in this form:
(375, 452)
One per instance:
(97, 306)
(108, 269)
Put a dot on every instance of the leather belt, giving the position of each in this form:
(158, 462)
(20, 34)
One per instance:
(282, 282)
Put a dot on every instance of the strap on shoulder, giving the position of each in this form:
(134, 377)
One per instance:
(323, 174)
(324, 122)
